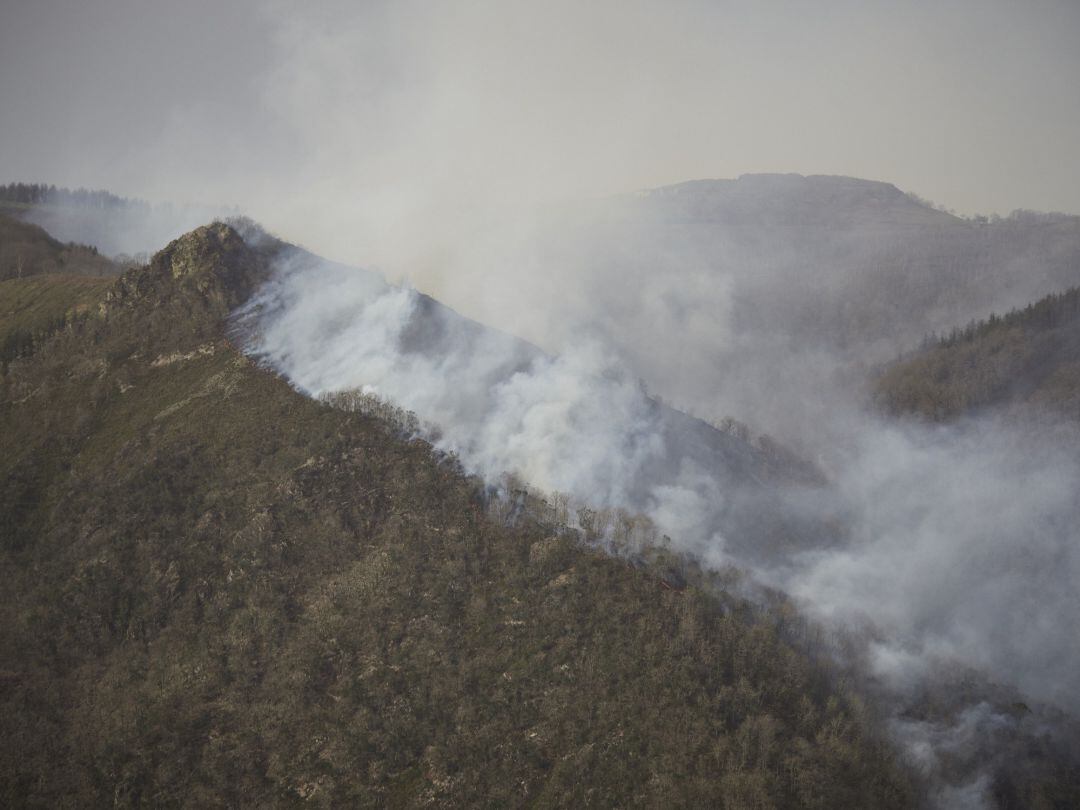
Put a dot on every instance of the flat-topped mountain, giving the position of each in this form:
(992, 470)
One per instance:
(795, 200)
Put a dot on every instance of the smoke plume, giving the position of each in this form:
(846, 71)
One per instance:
(959, 542)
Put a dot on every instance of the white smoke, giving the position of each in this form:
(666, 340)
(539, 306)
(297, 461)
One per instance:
(964, 546)
(928, 744)
(959, 544)
(574, 423)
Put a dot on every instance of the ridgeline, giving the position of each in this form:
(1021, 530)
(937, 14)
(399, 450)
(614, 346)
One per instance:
(220, 592)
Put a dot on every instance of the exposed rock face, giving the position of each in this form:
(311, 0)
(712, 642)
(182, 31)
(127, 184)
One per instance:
(213, 262)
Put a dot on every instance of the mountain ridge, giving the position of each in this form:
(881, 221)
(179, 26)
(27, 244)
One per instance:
(220, 591)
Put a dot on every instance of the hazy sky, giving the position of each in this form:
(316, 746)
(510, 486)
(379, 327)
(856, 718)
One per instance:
(348, 125)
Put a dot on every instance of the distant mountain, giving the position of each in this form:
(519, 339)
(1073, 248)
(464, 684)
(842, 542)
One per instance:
(1026, 360)
(792, 200)
(738, 297)
(471, 365)
(857, 265)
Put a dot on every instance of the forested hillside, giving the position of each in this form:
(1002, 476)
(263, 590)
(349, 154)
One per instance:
(1029, 358)
(220, 592)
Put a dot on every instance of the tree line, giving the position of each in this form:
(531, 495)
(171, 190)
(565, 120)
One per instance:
(47, 194)
(1046, 313)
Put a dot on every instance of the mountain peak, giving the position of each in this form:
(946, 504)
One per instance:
(214, 258)
(212, 264)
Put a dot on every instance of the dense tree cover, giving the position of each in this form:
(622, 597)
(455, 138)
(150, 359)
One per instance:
(220, 592)
(1028, 357)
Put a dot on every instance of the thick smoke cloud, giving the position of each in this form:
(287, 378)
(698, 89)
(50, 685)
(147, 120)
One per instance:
(963, 547)
(770, 298)
(959, 544)
(574, 423)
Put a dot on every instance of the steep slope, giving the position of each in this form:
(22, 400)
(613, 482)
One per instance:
(220, 592)
(1028, 359)
(574, 424)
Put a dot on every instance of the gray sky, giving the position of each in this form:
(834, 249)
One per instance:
(351, 126)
